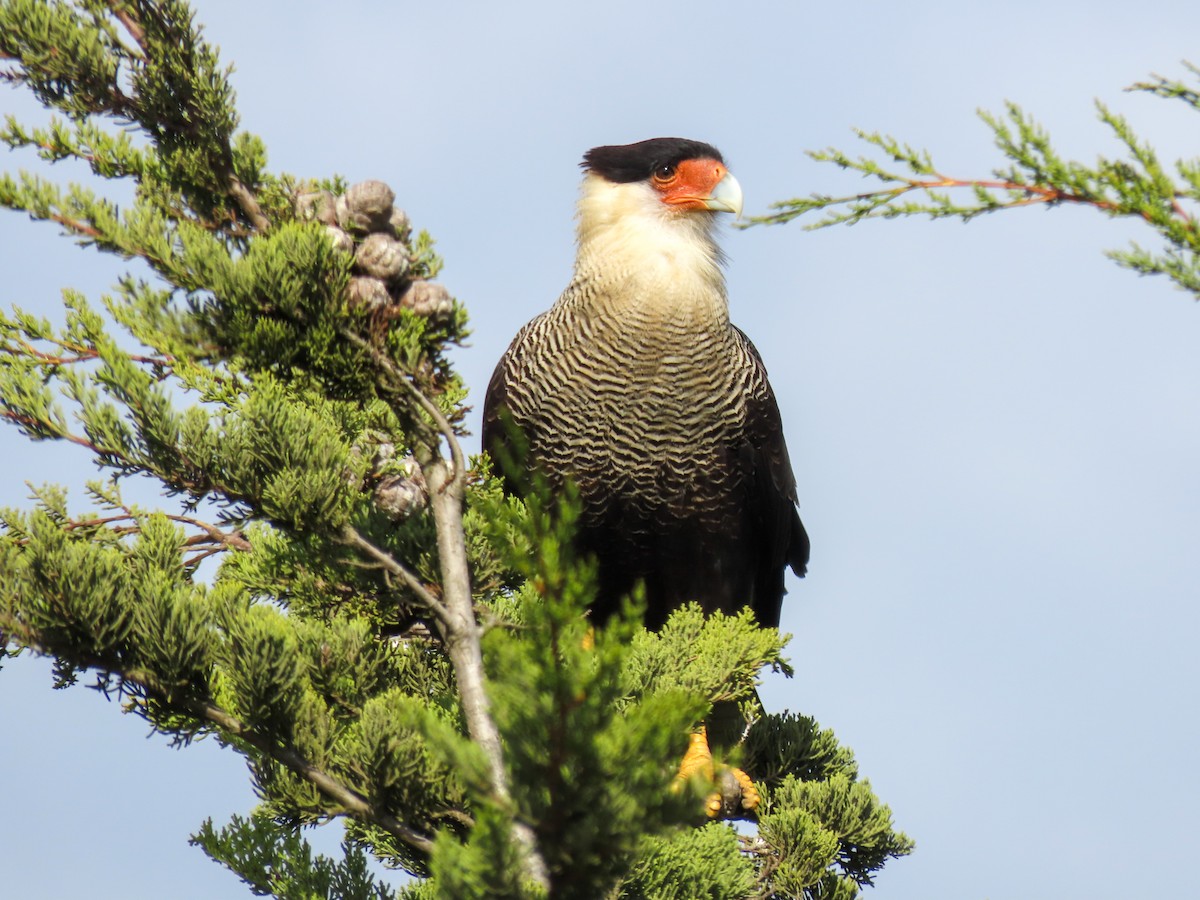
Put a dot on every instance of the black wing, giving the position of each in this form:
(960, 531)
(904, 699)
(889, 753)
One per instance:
(772, 503)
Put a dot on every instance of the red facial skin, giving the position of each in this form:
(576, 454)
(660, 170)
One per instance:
(689, 184)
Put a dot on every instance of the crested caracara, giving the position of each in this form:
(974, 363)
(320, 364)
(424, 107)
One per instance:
(636, 386)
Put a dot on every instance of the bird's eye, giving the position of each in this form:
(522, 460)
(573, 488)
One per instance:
(664, 173)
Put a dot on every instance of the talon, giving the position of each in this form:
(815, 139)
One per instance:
(713, 805)
(750, 798)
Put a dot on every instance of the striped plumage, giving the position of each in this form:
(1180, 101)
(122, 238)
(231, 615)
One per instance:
(636, 386)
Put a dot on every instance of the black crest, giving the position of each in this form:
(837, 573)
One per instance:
(635, 162)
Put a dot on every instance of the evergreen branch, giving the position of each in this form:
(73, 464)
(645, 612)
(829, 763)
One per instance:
(460, 629)
(354, 538)
(274, 860)
(350, 801)
(176, 95)
(108, 155)
(394, 379)
(114, 457)
(1171, 88)
(1136, 187)
(238, 191)
(880, 204)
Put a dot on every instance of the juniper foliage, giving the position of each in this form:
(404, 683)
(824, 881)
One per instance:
(1138, 186)
(335, 593)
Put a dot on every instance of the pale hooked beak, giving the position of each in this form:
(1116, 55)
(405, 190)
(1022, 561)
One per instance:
(726, 196)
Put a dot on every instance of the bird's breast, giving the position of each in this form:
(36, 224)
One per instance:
(647, 408)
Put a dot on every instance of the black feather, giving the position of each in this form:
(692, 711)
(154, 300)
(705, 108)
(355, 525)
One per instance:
(623, 163)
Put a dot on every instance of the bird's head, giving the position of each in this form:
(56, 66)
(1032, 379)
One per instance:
(679, 175)
(656, 198)
(682, 175)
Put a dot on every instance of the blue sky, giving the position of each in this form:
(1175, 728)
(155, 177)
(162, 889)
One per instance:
(995, 430)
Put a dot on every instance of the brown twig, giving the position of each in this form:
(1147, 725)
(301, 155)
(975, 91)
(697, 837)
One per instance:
(210, 543)
(35, 424)
(82, 354)
(753, 845)
(231, 539)
(1037, 194)
(123, 15)
(1041, 193)
(246, 200)
(226, 540)
(75, 225)
(353, 538)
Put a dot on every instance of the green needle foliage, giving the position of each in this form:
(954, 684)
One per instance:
(277, 862)
(1138, 186)
(330, 588)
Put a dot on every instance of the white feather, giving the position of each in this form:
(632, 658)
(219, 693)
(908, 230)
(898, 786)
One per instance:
(643, 251)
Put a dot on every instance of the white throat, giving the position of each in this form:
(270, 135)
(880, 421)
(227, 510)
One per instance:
(640, 251)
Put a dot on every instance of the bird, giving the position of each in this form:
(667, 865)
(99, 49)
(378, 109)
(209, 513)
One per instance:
(636, 388)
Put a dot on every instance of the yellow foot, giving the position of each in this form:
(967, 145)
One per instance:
(735, 795)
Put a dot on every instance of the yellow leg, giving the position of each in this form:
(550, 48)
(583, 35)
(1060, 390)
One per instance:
(735, 794)
(698, 757)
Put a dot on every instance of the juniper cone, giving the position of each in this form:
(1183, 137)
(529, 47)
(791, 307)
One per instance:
(366, 206)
